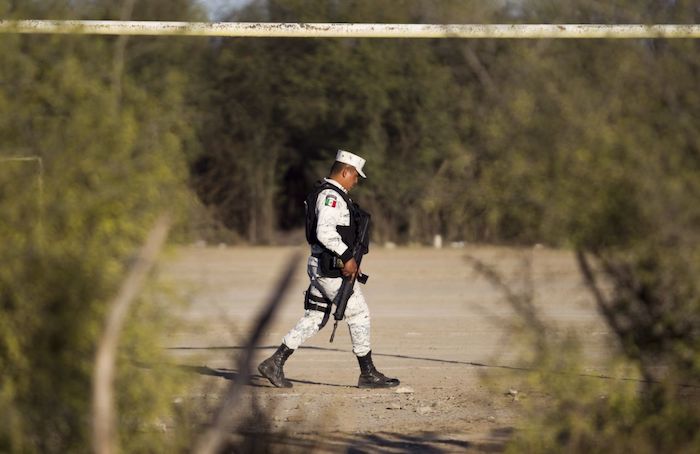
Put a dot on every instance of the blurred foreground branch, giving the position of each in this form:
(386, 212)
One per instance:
(103, 416)
(214, 438)
(651, 309)
(120, 53)
(521, 301)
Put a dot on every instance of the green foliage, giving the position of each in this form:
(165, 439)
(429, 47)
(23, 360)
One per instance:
(280, 108)
(567, 409)
(113, 159)
(592, 145)
(528, 141)
(150, 419)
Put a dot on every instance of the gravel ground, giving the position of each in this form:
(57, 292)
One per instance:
(436, 324)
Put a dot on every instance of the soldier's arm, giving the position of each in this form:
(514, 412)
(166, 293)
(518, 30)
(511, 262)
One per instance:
(332, 211)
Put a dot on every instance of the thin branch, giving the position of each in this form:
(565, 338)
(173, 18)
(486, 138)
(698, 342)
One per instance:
(611, 309)
(480, 70)
(521, 302)
(590, 280)
(103, 414)
(120, 52)
(212, 441)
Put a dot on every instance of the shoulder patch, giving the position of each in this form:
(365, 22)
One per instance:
(331, 201)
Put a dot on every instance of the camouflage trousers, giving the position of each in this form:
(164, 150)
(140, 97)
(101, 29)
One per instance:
(356, 314)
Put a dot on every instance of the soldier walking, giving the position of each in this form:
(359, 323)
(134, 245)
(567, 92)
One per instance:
(332, 221)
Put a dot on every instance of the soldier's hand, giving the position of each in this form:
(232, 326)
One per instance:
(350, 268)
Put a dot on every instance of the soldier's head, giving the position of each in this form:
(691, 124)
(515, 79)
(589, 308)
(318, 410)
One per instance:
(347, 169)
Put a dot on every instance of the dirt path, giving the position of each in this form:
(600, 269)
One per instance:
(436, 325)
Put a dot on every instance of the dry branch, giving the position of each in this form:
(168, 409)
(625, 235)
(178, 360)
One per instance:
(212, 441)
(521, 301)
(103, 414)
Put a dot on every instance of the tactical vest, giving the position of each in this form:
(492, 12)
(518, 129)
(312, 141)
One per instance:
(347, 232)
(328, 260)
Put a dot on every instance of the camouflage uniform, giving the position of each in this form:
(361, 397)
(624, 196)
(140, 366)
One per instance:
(330, 226)
(332, 211)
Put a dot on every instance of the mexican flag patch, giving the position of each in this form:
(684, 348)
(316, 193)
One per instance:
(331, 201)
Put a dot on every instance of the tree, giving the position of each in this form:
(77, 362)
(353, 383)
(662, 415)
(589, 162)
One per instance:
(113, 161)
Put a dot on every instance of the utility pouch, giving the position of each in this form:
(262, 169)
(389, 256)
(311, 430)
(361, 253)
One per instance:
(330, 265)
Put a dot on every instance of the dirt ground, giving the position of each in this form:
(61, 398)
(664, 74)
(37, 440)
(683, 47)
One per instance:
(437, 325)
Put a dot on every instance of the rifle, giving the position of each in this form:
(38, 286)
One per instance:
(346, 288)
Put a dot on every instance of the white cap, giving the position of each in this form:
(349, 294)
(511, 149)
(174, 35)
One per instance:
(352, 159)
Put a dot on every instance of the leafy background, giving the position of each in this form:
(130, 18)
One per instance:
(587, 145)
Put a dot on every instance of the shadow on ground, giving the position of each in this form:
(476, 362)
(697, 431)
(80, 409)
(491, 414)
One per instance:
(256, 381)
(379, 442)
(417, 358)
(375, 354)
(260, 438)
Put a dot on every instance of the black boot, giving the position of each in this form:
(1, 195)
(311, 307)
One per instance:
(370, 377)
(271, 368)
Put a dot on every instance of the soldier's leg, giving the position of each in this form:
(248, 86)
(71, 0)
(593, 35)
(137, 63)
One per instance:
(357, 316)
(273, 367)
(305, 328)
